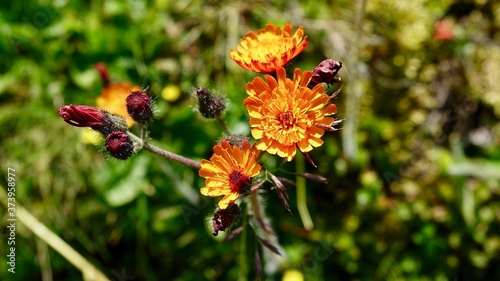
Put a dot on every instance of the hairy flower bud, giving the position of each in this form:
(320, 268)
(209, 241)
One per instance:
(326, 72)
(210, 105)
(117, 123)
(119, 145)
(237, 140)
(95, 118)
(139, 107)
(225, 218)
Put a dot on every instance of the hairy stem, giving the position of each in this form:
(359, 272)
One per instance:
(222, 122)
(144, 143)
(144, 133)
(172, 156)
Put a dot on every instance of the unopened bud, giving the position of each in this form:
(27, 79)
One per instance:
(82, 115)
(139, 107)
(326, 72)
(114, 123)
(237, 140)
(224, 218)
(119, 145)
(92, 117)
(210, 105)
(103, 72)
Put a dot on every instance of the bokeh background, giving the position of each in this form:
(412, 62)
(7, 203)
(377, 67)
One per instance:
(414, 176)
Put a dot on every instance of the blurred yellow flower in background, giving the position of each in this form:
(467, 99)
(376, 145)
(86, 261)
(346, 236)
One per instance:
(270, 48)
(171, 92)
(112, 99)
(89, 136)
(292, 275)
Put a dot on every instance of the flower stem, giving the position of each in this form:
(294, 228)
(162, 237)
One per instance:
(172, 156)
(353, 99)
(144, 133)
(243, 250)
(144, 143)
(300, 168)
(272, 250)
(222, 122)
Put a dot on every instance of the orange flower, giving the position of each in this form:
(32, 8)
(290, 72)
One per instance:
(112, 99)
(229, 171)
(269, 49)
(286, 114)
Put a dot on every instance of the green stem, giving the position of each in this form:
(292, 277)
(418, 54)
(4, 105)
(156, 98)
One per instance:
(89, 271)
(254, 202)
(222, 122)
(349, 137)
(300, 168)
(243, 250)
(144, 133)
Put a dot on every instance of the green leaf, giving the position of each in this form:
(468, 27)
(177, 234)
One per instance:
(129, 188)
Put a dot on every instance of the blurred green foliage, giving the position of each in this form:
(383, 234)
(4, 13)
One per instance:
(414, 179)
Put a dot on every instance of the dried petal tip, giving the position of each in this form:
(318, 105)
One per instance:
(210, 105)
(119, 145)
(139, 107)
(225, 218)
(282, 192)
(326, 72)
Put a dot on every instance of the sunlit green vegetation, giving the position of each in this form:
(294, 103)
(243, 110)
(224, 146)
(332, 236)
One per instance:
(414, 176)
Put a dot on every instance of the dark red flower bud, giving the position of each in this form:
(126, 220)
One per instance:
(210, 105)
(225, 218)
(119, 145)
(139, 107)
(82, 115)
(326, 72)
(87, 116)
(103, 72)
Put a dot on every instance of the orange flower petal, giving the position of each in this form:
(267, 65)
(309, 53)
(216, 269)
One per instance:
(227, 200)
(283, 114)
(269, 48)
(226, 161)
